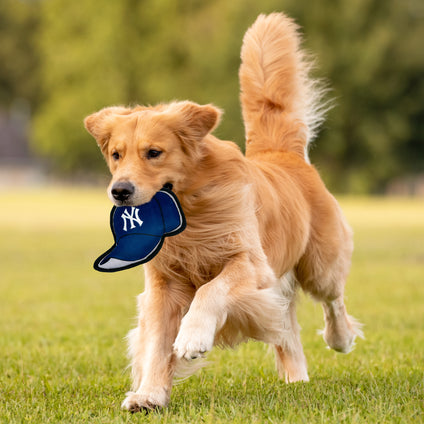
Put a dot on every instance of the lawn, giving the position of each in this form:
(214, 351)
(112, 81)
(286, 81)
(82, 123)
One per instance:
(62, 326)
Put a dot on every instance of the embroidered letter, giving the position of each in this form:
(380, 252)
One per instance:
(131, 217)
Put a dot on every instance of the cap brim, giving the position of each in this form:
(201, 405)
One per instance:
(130, 251)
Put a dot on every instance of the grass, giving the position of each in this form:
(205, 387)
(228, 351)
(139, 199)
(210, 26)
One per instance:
(62, 326)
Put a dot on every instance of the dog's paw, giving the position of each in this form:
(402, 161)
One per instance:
(341, 335)
(145, 402)
(193, 341)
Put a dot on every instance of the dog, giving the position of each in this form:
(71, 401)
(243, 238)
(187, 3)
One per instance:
(259, 225)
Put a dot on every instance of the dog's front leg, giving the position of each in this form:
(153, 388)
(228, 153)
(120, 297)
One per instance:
(151, 344)
(207, 314)
(215, 301)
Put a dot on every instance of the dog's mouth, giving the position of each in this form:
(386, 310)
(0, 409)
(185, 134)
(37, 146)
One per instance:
(120, 203)
(168, 186)
(124, 193)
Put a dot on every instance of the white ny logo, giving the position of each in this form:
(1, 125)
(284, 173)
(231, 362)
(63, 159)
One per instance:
(131, 217)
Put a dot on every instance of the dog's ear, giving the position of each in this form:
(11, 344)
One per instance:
(193, 121)
(100, 124)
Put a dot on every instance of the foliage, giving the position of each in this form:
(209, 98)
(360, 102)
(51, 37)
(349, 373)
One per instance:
(19, 77)
(370, 51)
(62, 327)
(72, 58)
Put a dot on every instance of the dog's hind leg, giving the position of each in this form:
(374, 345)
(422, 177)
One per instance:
(290, 359)
(340, 329)
(322, 272)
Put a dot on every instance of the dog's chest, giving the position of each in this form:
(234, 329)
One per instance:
(214, 235)
(196, 257)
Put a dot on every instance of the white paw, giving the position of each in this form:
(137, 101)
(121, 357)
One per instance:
(300, 374)
(194, 340)
(342, 341)
(147, 401)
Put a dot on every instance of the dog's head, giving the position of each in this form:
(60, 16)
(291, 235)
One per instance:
(148, 147)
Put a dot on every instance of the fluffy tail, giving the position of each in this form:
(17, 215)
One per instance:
(280, 102)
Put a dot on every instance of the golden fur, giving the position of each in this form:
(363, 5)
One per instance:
(258, 226)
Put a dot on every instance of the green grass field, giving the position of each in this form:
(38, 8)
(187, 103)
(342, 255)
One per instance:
(63, 354)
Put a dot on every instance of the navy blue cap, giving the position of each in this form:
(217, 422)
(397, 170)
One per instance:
(139, 231)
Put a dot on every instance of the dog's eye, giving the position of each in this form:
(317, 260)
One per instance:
(151, 154)
(115, 155)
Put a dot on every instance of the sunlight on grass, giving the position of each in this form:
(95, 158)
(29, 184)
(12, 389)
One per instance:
(62, 326)
(55, 208)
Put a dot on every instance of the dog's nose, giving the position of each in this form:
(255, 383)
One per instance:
(122, 190)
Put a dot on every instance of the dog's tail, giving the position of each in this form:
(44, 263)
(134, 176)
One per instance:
(280, 102)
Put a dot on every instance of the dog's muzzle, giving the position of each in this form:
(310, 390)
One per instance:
(122, 191)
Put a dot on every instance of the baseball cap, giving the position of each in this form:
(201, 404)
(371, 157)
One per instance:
(139, 231)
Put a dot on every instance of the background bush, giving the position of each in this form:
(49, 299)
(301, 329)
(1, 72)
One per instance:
(66, 59)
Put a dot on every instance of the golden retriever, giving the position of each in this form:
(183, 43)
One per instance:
(258, 225)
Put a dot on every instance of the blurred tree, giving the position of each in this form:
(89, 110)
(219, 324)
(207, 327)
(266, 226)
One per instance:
(146, 51)
(19, 77)
(79, 74)
(369, 50)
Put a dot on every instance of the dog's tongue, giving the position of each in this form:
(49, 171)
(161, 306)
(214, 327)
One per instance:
(139, 231)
